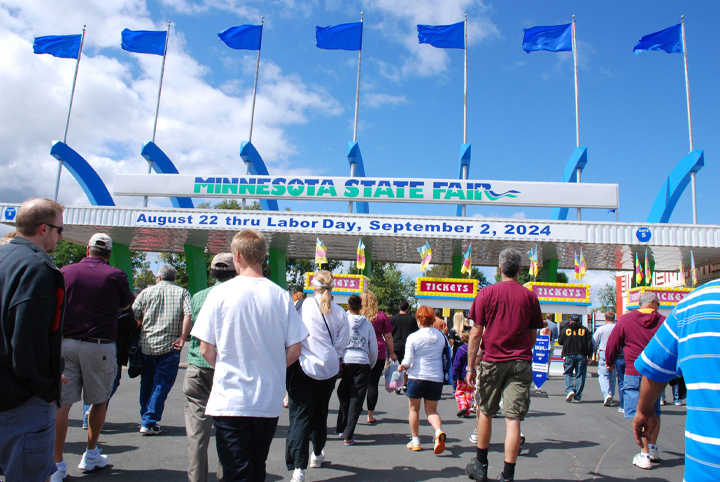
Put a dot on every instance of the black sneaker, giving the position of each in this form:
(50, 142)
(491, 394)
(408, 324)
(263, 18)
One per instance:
(476, 471)
(522, 442)
(503, 479)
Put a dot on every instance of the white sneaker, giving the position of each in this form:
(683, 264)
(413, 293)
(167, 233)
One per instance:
(473, 437)
(654, 453)
(621, 410)
(298, 476)
(608, 401)
(317, 460)
(570, 397)
(59, 475)
(643, 461)
(92, 463)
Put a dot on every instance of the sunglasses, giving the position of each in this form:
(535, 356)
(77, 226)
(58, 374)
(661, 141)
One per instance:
(59, 228)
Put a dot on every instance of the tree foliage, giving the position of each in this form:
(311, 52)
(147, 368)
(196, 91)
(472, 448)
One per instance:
(67, 252)
(608, 299)
(390, 286)
(296, 269)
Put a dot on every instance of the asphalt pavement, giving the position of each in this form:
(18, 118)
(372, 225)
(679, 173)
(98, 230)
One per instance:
(565, 442)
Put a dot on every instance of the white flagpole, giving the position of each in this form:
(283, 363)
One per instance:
(357, 105)
(465, 168)
(252, 113)
(687, 92)
(577, 104)
(157, 109)
(67, 122)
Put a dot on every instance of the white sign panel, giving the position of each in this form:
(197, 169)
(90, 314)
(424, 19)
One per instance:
(366, 225)
(406, 190)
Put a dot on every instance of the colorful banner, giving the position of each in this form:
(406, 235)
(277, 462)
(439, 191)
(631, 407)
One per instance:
(343, 283)
(404, 190)
(445, 288)
(669, 297)
(574, 294)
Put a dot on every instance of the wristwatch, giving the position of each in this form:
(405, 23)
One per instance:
(470, 369)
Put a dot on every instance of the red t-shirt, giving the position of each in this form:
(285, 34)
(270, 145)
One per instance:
(508, 311)
(382, 326)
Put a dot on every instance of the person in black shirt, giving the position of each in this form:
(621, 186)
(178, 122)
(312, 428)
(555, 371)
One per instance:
(403, 325)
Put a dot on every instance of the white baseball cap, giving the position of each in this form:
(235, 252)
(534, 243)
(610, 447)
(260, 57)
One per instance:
(101, 240)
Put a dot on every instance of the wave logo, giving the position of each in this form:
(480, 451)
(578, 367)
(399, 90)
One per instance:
(10, 213)
(493, 196)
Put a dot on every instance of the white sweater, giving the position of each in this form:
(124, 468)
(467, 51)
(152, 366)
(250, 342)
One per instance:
(423, 355)
(321, 352)
(362, 346)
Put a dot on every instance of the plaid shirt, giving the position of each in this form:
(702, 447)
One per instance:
(194, 357)
(161, 308)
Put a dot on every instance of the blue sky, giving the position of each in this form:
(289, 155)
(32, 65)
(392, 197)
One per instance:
(633, 114)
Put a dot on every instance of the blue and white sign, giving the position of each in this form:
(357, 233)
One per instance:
(643, 235)
(541, 360)
(10, 214)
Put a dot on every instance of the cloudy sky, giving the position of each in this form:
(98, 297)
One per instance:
(633, 113)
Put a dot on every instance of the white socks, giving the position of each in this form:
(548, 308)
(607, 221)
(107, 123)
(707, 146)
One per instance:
(92, 453)
(61, 466)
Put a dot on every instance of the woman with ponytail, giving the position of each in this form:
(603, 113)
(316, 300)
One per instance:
(311, 380)
(383, 333)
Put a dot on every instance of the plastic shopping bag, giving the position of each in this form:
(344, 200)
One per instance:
(393, 378)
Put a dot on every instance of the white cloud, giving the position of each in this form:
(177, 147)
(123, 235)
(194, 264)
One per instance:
(200, 126)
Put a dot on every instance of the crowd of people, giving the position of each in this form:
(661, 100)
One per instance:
(66, 334)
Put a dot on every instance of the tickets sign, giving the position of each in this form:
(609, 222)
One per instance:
(446, 288)
(669, 297)
(343, 283)
(561, 292)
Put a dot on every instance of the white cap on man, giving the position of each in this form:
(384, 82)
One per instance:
(101, 241)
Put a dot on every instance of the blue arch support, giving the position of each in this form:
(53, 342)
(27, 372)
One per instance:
(84, 174)
(578, 160)
(355, 157)
(674, 186)
(248, 153)
(162, 164)
(464, 161)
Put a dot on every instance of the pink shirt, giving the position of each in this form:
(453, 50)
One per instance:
(382, 326)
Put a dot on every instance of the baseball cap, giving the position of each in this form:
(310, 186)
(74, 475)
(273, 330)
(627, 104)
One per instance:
(223, 262)
(574, 317)
(101, 240)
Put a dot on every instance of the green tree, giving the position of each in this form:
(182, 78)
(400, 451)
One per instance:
(390, 286)
(144, 278)
(607, 298)
(445, 271)
(67, 252)
(296, 269)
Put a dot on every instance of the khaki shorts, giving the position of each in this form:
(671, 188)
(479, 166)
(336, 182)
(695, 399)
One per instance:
(508, 380)
(90, 369)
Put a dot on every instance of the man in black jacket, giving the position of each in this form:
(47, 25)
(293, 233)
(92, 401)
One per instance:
(32, 306)
(577, 344)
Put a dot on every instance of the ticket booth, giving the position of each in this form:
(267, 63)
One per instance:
(565, 299)
(453, 293)
(669, 297)
(345, 286)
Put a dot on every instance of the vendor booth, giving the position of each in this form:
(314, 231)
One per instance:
(453, 293)
(344, 286)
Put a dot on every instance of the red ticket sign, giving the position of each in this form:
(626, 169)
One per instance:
(565, 292)
(446, 287)
(667, 296)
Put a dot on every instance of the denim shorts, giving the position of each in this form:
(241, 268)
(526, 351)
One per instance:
(27, 441)
(431, 391)
(631, 390)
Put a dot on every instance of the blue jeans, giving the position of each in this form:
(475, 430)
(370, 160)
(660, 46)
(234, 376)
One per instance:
(116, 384)
(620, 368)
(157, 378)
(606, 377)
(575, 371)
(27, 441)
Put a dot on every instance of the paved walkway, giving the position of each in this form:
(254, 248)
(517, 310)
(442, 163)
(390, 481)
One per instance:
(565, 442)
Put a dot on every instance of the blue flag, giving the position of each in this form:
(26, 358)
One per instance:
(144, 41)
(62, 46)
(347, 36)
(668, 40)
(242, 37)
(443, 36)
(557, 38)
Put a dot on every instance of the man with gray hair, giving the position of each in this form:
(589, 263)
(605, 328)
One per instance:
(632, 333)
(165, 313)
(506, 318)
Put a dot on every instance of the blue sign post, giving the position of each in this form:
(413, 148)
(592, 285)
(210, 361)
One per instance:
(541, 360)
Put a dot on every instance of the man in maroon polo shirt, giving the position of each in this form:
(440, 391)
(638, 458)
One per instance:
(95, 292)
(506, 318)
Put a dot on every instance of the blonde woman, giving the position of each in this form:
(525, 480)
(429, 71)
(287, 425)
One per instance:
(460, 324)
(311, 380)
(383, 332)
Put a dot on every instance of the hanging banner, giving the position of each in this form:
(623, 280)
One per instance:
(541, 360)
(403, 190)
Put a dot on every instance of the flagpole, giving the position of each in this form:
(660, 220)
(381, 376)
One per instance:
(465, 168)
(577, 104)
(67, 122)
(252, 112)
(357, 106)
(157, 109)
(687, 92)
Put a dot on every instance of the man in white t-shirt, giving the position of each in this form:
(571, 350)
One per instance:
(250, 331)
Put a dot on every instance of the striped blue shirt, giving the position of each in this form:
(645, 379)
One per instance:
(688, 345)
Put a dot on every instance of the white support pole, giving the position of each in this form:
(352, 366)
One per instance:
(157, 108)
(67, 122)
(687, 92)
(577, 102)
(357, 106)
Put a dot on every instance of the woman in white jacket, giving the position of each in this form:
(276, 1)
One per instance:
(424, 366)
(311, 380)
(361, 354)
